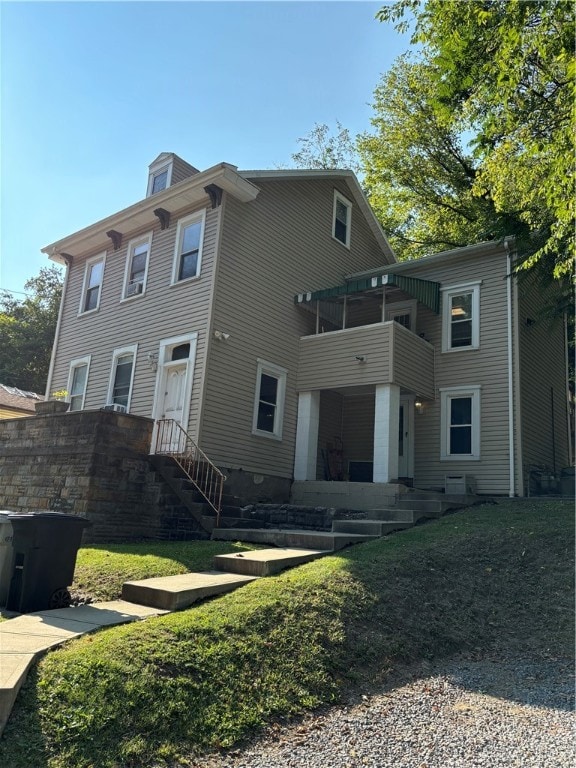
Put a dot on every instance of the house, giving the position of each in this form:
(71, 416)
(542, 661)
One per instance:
(16, 403)
(265, 313)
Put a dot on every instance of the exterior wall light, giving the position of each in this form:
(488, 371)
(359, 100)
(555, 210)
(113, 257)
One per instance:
(419, 405)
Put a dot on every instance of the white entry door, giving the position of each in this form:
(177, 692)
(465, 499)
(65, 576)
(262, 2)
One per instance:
(406, 438)
(174, 391)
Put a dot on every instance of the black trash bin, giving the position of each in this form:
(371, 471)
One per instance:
(44, 549)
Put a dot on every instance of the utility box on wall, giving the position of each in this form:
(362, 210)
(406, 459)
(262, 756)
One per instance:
(459, 485)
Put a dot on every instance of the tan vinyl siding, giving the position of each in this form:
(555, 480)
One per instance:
(181, 170)
(542, 379)
(272, 248)
(329, 360)
(161, 312)
(486, 367)
(9, 413)
(412, 362)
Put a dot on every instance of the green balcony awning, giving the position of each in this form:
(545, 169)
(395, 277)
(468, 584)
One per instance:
(427, 292)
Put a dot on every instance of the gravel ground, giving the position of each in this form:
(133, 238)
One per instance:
(462, 713)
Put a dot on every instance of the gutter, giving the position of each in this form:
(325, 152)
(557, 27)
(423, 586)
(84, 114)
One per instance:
(57, 332)
(511, 441)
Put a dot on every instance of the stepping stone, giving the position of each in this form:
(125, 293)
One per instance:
(173, 593)
(13, 670)
(264, 562)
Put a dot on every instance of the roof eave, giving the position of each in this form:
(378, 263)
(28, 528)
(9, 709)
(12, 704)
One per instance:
(141, 214)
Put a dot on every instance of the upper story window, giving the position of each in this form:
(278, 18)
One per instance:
(77, 382)
(159, 178)
(460, 423)
(122, 376)
(137, 266)
(92, 287)
(188, 251)
(461, 317)
(269, 400)
(341, 219)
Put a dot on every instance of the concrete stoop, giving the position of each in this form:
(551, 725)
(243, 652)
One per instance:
(329, 541)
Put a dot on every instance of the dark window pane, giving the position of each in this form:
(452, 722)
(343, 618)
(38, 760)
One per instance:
(462, 307)
(462, 334)
(91, 298)
(268, 389)
(265, 420)
(121, 388)
(460, 410)
(181, 352)
(188, 262)
(461, 440)
(159, 182)
(138, 265)
(340, 231)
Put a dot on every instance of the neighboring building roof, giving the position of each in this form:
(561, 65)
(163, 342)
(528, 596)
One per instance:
(12, 397)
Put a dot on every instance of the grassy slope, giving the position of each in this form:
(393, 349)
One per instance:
(139, 694)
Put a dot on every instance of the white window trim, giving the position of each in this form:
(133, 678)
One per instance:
(446, 395)
(77, 363)
(280, 374)
(156, 170)
(340, 197)
(132, 245)
(132, 349)
(456, 290)
(198, 216)
(93, 260)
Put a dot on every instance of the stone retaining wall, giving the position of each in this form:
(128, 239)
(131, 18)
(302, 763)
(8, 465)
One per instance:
(90, 463)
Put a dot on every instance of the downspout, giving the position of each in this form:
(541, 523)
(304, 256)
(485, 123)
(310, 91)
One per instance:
(511, 442)
(68, 262)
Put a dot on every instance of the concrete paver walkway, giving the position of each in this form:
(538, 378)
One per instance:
(24, 638)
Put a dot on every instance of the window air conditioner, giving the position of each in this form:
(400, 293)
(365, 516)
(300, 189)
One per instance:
(115, 407)
(134, 289)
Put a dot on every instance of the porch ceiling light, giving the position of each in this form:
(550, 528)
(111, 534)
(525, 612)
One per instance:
(419, 406)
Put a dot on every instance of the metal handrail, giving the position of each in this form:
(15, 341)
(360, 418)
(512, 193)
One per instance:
(172, 440)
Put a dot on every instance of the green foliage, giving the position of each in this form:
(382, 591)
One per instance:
(503, 71)
(161, 691)
(321, 149)
(27, 328)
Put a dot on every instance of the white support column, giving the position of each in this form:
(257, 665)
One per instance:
(386, 425)
(307, 436)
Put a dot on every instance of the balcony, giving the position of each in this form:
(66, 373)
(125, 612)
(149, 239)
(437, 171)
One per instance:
(381, 353)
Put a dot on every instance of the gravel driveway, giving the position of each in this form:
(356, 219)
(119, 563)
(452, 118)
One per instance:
(461, 713)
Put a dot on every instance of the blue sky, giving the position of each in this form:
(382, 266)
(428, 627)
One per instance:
(91, 93)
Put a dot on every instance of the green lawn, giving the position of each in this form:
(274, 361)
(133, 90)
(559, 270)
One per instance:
(154, 692)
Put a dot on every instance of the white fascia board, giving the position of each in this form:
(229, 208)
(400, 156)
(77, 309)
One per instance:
(331, 173)
(141, 214)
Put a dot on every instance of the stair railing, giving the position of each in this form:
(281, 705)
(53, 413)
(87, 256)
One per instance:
(172, 440)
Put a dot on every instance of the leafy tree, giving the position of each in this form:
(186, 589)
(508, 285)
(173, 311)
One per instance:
(504, 71)
(418, 175)
(27, 328)
(322, 149)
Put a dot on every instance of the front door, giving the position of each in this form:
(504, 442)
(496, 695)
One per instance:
(173, 392)
(406, 438)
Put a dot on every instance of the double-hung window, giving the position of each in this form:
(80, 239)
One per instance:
(137, 266)
(188, 252)
(461, 317)
(269, 400)
(460, 426)
(77, 382)
(122, 376)
(159, 178)
(341, 219)
(92, 287)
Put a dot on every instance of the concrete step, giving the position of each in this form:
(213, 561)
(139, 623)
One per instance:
(370, 527)
(321, 540)
(172, 593)
(209, 522)
(394, 514)
(264, 562)
(424, 507)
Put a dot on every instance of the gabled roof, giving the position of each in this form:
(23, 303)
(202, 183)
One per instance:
(19, 399)
(350, 178)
